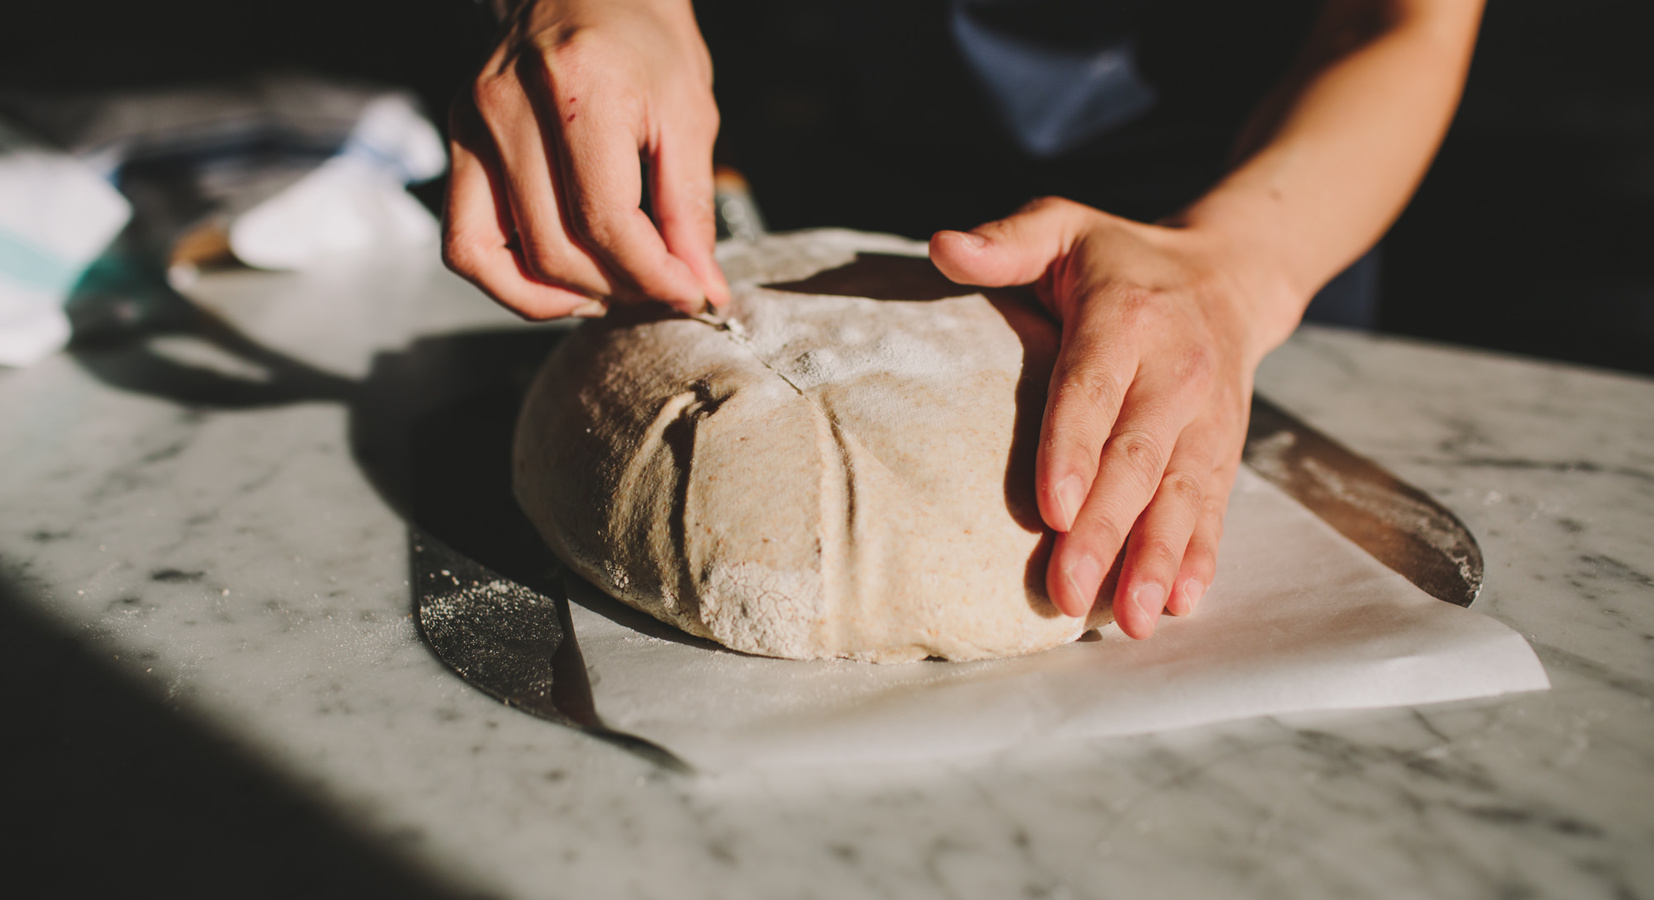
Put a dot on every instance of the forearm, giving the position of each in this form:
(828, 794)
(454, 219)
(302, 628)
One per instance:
(1329, 162)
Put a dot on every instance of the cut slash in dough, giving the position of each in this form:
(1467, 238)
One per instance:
(843, 469)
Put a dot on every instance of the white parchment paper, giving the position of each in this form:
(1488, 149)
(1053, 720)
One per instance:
(1298, 619)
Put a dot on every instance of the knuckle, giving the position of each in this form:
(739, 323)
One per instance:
(546, 262)
(596, 222)
(460, 253)
(584, 62)
(491, 93)
(1101, 530)
(1157, 551)
(1089, 387)
(1199, 562)
(576, 51)
(1077, 431)
(1140, 453)
(1184, 488)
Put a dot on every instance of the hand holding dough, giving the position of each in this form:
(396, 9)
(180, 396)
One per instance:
(843, 469)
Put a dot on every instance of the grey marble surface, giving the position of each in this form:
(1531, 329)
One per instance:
(209, 518)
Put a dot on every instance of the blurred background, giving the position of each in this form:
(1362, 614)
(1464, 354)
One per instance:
(1533, 232)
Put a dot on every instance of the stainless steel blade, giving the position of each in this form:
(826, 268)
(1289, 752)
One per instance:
(510, 642)
(1398, 524)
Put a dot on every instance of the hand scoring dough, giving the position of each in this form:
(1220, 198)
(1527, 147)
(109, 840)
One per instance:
(842, 468)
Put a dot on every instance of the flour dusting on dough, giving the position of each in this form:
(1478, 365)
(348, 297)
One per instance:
(751, 607)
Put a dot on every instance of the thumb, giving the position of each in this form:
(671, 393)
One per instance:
(1013, 250)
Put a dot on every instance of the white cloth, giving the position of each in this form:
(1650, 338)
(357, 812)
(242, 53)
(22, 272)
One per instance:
(318, 165)
(352, 202)
(56, 215)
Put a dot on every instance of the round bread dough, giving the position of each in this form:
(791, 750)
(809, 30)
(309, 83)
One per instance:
(843, 467)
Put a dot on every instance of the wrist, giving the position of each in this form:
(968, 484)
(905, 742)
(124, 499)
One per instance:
(1251, 267)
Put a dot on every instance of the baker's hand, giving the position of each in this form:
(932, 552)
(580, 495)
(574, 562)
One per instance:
(583, 105)
(1149, 399)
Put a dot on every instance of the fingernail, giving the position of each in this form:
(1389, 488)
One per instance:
(1070, 494)
(591, 310)
(1149, 599)
(976, 241)
(1193, 590)
(1085, 576)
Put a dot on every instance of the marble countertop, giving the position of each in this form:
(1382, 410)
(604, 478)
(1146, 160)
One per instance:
(207, 646)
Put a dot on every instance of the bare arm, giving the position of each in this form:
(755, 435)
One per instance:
(1164, 325)
(1337, 150)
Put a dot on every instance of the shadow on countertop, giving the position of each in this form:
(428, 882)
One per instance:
(431, 428)
(430, 425)
(109, 792)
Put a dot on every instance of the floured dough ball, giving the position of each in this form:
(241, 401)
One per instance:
(844, 469)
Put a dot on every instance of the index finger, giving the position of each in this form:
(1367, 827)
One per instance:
(603, 182)
(478, 238)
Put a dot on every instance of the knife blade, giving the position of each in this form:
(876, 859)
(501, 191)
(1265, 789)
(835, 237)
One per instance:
(1396, 523)
(511, 642)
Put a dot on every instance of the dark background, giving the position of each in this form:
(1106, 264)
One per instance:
(1533, 233)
